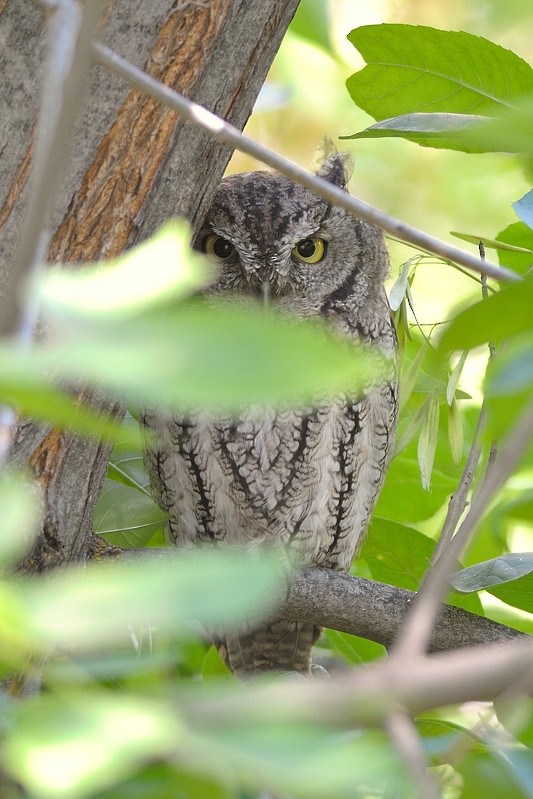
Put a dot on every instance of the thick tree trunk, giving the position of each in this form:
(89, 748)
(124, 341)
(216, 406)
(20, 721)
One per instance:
(133, 163)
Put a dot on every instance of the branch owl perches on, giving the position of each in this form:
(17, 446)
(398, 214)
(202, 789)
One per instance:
(302, 479)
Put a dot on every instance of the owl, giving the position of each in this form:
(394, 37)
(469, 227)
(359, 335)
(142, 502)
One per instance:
(301, 479)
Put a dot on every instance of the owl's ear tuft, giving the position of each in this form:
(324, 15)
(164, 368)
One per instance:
(335, 167)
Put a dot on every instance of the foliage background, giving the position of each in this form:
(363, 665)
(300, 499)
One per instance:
(109, 721)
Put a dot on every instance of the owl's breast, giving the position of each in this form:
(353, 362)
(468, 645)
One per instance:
(306, 480)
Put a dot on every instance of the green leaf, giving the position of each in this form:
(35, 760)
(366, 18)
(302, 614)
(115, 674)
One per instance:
(72, 745)
(420, 69)
(159, 270)
(396, 554)
(431, 130)
(485, 776)
(298, 759)
(97, 607)
(497, 571)
(499, 316)
(508, 132)
(518, 593)
(516, 715)
(455, 377)
(399, 290)
(520, 236)
(427, 442)
(524, 208)
(125, 516)
(404, 500)
(353, 649)
(455, 432)
(494, 244)
(399, 555)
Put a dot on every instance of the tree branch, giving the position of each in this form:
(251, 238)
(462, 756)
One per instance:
(366, 608)
(230, 135)
(367, 696)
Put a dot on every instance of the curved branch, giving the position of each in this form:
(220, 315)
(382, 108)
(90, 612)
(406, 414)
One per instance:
(366, 608)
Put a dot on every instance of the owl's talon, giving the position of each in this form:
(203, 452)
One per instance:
(320, 672)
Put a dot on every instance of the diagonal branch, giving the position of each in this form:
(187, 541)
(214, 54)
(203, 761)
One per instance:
(416, 634)
(230, 135)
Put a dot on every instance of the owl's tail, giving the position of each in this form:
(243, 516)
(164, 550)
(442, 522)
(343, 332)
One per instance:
(281, 646)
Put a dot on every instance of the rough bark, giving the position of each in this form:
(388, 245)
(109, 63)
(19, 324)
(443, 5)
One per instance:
(366, 608)
(133, 164)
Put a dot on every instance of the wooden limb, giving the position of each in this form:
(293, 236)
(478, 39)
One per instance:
(366, 608)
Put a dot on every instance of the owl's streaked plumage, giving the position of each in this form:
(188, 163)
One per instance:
(304, 479)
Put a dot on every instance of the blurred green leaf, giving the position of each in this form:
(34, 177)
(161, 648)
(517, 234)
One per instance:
(492, 572)
(485, 776)
(215, 588)
(512, 372)
(508, 132)
(516, 715)
(311, 22)
(159, 270)
(521, 236)
(414, 69)
(125, 516)
(499, 316)
(213, 356)
(25, 386)
(21, 513)
(74, 744)
(302, 760)
(169, 781)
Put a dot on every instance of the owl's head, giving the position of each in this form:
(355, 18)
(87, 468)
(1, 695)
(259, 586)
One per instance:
(273, 239)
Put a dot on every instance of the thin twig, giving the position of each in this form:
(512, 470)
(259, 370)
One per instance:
(415, 635)
(459, 499)
(406, 741)
(228, 134)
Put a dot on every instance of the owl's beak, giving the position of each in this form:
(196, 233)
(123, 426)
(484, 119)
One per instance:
(265, 292)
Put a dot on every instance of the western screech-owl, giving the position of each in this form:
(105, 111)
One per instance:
(303, 479)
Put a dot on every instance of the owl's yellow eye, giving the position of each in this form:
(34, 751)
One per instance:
(310, 251)
(218, 248)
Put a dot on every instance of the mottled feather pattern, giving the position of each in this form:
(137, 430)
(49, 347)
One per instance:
(303, 479)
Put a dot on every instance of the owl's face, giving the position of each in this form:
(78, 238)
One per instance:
(274, 240)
